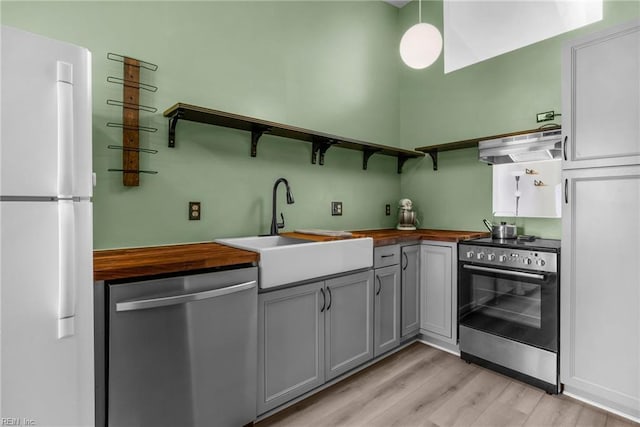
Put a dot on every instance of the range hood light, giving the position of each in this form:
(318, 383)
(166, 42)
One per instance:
(531, 156)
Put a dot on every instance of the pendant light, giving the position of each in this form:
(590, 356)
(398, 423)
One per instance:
(421, 45)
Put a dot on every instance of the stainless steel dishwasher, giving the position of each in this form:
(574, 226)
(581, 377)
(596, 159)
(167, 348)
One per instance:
(182, 350)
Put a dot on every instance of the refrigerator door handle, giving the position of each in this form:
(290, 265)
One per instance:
(65, 129)
(66, 269)
(183, 298)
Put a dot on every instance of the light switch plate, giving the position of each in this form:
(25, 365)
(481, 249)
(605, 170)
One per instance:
(545, 117)
(336, 208)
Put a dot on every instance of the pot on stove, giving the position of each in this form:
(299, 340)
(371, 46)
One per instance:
(502, 230)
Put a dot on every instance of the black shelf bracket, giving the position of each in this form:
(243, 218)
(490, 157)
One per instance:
(434, 158)
(173, 121)
(320, 146)
(366, 154)
(256, 133)
(324, 148)
(401, 160)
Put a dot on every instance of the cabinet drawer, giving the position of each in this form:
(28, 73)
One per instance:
(386, 255)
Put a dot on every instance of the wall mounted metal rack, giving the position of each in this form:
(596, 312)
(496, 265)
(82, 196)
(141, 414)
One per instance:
(433, 150)
(130, 124)
(321, 142)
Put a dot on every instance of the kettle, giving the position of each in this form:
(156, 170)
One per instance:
(502, 230)
(406, 215)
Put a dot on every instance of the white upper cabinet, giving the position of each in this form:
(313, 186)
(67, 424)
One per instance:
(601, 98)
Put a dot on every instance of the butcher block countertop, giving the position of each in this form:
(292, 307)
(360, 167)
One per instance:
(136, 262)
(114, 264)
(392, 236)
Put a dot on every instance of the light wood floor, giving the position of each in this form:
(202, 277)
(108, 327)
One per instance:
(423, 386)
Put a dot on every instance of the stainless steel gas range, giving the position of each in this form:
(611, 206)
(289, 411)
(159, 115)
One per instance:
(508, 307)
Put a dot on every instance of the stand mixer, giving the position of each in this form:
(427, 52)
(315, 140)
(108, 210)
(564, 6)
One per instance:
(406, 216)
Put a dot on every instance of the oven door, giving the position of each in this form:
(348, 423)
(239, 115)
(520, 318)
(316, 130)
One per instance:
(515, 304)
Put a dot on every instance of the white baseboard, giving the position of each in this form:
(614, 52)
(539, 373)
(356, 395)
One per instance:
(430, 344)
(603, 407)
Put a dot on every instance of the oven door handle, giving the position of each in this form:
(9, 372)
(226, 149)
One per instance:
(505, 272)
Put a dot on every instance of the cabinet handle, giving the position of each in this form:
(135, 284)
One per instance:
(566, 191)
(379, 285)
(564, 147)
(330, 298)
(404, 255)
(386, 256)
(505, 272)
(324, 300)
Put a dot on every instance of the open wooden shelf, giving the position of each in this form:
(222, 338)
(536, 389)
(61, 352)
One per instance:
(433, 150)
(321, 142)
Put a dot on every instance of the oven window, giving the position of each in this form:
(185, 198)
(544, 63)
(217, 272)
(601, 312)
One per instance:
(517, 308)
(508, 300)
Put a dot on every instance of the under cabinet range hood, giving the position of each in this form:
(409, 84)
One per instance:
(527, 147)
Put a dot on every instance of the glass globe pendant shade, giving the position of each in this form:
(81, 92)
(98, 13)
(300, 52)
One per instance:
(420, 46)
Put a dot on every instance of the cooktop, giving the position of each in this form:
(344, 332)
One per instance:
(548, 245)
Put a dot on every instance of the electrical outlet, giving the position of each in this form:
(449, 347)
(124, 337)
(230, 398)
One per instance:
(545, 117)
(387, 210)
(195, 212)
(336, 208)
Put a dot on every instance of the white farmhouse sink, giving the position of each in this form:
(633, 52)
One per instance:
(286, 260)
(261, 242)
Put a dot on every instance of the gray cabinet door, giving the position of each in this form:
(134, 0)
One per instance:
(600, 292)
(348, 322)
(386, 309)
(410, 290)
(436, 289)
(600, 98)
(290, 343)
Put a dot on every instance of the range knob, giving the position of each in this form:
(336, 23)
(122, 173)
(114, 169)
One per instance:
(491, 257)
(527, 261)
(540, 262)
(502, 258)
(480, 255)
(470, 254)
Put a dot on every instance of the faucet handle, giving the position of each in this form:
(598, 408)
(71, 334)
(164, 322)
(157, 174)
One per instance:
(280, 224)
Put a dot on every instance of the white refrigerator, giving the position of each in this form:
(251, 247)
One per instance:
(46, 269)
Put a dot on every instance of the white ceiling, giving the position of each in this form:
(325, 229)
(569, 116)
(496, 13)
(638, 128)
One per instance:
(397, 3)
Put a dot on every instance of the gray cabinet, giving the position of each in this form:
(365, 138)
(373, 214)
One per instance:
(410, 290)
(386, 331)
(437, 291)
(600, 100)
(599, 293)
(291, 340)
(348, 322)
(309, 334)
(384, 256)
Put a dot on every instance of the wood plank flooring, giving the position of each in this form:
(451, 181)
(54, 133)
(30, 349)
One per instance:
(423, 386)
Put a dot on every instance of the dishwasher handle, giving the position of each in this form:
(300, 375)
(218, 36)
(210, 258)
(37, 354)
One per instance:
(183, 298)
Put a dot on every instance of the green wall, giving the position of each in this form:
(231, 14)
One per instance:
(326, 66)
(331, 66)
(495, 96)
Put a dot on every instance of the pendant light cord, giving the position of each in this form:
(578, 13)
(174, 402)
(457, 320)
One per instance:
(420, 11)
